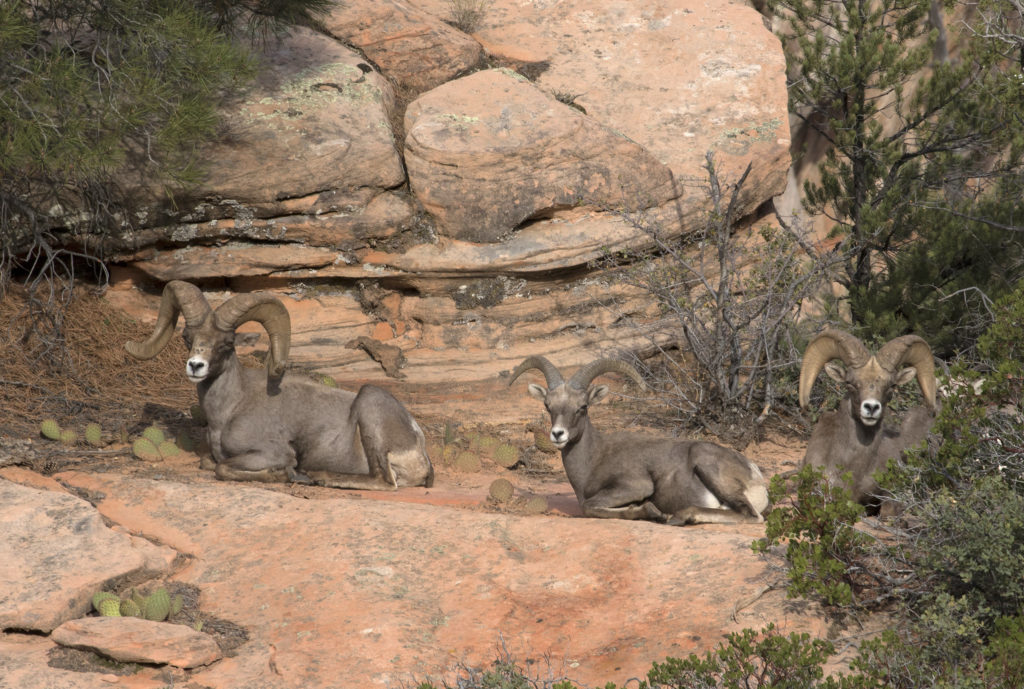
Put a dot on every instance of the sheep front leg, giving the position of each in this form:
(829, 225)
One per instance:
(255, 466)
(621, 505)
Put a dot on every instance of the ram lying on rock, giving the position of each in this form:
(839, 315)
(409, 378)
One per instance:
(854, 438)
(633, 476)
(278, 426)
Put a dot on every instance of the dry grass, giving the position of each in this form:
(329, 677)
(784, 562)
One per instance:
(97, 381)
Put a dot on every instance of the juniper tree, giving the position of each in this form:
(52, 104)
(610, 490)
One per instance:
(87, 88)
(90, 89)
(912, 137)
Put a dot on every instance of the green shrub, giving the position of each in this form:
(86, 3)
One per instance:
(817, 526)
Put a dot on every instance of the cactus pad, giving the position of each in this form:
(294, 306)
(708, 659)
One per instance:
(449, 453)
(542, 440)
(536, 505)
(101, 596)
(68, 437)
(467, 461)
(197, 414)
(94, 434)
(185, 442)
(501, 490)
(327, 380)
(144, 449)
(130, 608)
(177, 603)
(488, 443)
(506, 455)
(110, 607)
(157, 606)
(50, 429)
(153, 435)
(168, 449)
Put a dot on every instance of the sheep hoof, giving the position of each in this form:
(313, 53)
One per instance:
(299, 477)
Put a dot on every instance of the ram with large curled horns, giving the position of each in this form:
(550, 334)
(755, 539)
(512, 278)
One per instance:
(854, 438)
(277, 426)
(626, 475)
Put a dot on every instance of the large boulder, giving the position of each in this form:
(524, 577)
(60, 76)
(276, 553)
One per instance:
(413, 47)
(489, 151)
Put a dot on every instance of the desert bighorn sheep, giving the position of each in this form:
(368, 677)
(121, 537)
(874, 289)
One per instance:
(853, 438)
(632, 476)
(276, 426)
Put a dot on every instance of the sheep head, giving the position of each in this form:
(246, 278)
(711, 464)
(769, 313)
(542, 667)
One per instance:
(869, 379)
(567, 402)
(210, 335)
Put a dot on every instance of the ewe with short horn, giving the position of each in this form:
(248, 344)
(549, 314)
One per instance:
(854, 438)
(278, 426)
(633, 476)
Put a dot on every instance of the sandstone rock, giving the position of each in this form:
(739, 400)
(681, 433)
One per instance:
(488, 151)
(416, 49)
(679, 77)
(406, 590)
(316, 119)
(135, 640)
(55, 554)
(27, 662)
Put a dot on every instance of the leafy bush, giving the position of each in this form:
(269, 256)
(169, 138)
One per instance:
(823, 549)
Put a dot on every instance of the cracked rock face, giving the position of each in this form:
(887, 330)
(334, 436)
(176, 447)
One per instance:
(56, 552)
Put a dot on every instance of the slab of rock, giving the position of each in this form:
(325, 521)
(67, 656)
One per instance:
(679, 77)
(380, 592)
(27, 662)
(486, 152)
(413, 47)
(55, 553)
(316, 119)
(135, 640)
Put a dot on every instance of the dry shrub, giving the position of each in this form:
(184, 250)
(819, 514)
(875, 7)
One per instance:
(95, 380)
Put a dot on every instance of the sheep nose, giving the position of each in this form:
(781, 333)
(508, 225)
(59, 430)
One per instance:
(196, 367)
(871, 407)
(557, 434)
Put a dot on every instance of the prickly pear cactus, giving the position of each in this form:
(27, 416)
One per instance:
(536, 505)
(154, 435)
(197, 414)
(326, 380)
(68, 437)
(94, 434)
(449, 454)
(110, 607)
(50, 429)
(488, 444)
(168, 449)
(506, 455)
(130, 608)
(176, 605)
(101, 596)
(144, 449)
(501, 490)
(542, 440)
(185, 442)
(157, 606)
(468, 462)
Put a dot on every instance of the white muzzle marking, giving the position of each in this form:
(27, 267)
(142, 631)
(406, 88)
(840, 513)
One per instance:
(196, 369)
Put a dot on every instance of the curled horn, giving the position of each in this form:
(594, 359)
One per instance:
(551, 374)
(178, 297)
(829, 345)
(912, 351)
(268, 311)
(583, 377)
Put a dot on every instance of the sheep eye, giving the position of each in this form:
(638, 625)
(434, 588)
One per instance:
(581, 410)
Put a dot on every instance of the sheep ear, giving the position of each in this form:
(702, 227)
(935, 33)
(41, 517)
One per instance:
(835, 372)
(906, 375)
(596, 394)
(538, 391)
